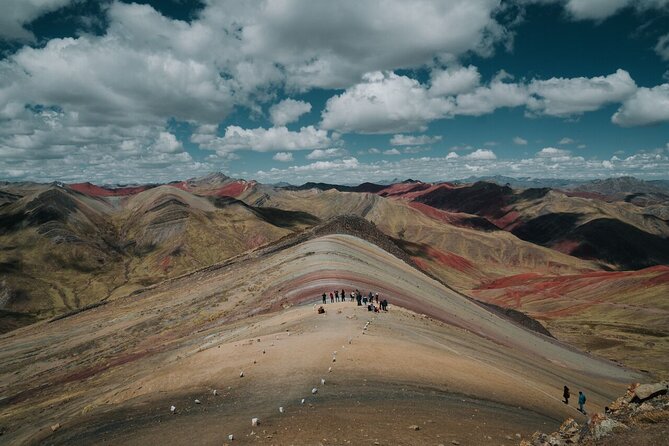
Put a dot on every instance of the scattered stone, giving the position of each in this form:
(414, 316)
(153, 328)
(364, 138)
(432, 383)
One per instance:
(215, 392)
(329, 369)
(322, 382)
(255, 421)
(55, 427)
(197, 402)
(231, 437)
(414, 427)
(241, 374)
(334, 359)
(280, 409)
(173, 409)
(302, 401)
(314, 391)
(456, 442)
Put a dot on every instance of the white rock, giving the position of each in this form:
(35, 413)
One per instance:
(173, 409)
(231, 437)
(281, 409)
(329, 369)
(322, 382)
(302, 402)
(255, 421)
(241, 374)
(197, 402)
(215, 392)
(314, 391)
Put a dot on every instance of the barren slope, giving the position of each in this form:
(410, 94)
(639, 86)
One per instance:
(111, 373)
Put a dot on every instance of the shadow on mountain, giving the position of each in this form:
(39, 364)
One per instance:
(621, 244)
(484, 199)
(547, 229)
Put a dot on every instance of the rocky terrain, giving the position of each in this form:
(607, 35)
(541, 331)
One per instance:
(640, 417)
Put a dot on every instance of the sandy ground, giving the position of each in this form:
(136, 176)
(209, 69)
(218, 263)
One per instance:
(435, 360)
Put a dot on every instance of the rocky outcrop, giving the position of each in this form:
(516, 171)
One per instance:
(641, 406)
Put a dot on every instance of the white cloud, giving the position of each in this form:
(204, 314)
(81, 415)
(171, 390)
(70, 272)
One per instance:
(332, 152)
(416, 149)
(374, 151)
(601, 9)
(283, 156)
(412, 140)
(262, 140)
(383, 103)
(481, 155)
(573, 96)
(566, 141)
(346, 163)
(392, 152)
(487, 99)
(647, 106)
(607, 164)
(454, 81)
(519, 141)
(329, 44)
(554, 154)
(642, 165)
(662, 47)
(287, 111)
(18, 13)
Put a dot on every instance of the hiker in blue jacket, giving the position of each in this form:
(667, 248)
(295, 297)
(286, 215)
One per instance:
(581, 401)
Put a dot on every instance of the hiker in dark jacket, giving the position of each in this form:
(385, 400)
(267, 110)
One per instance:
(566, 394)
(331, 298)
(325, 300)
(336, 295)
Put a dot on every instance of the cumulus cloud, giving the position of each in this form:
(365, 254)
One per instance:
(18, 13)
(481, 155)
(261, 139)
(573, 96)
(332, 152)
(519, 141)
(486, 99)
(413, 140)
(454, 81)
(287, 111)
(554, 154)
(392, 152)
(566, 141)
(283, 156)
(383, 103)
(647, 106)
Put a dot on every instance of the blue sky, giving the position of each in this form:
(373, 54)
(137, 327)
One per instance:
(120, 92)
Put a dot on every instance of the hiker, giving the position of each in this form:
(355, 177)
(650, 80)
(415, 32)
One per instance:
(336, 295)
(325, 298)
(352, 296)
(343, 295)
(377, 298)
(566, 394)
(370, 297)
(384, 305)
(359, 299)
(581, 402)
(331, 298)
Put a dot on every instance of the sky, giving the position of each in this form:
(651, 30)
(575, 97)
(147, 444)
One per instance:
(116, 92)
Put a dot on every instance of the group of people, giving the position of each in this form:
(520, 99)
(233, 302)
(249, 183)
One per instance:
(581, 399)
(371, 301)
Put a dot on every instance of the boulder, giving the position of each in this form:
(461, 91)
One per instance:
(647, 391)
(414, 427)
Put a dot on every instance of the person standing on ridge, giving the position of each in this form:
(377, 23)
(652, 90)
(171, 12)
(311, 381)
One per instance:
(566, 394)
(336, 295)
(343, 295)
(331, 298)
(325, 300)
(581, 402)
